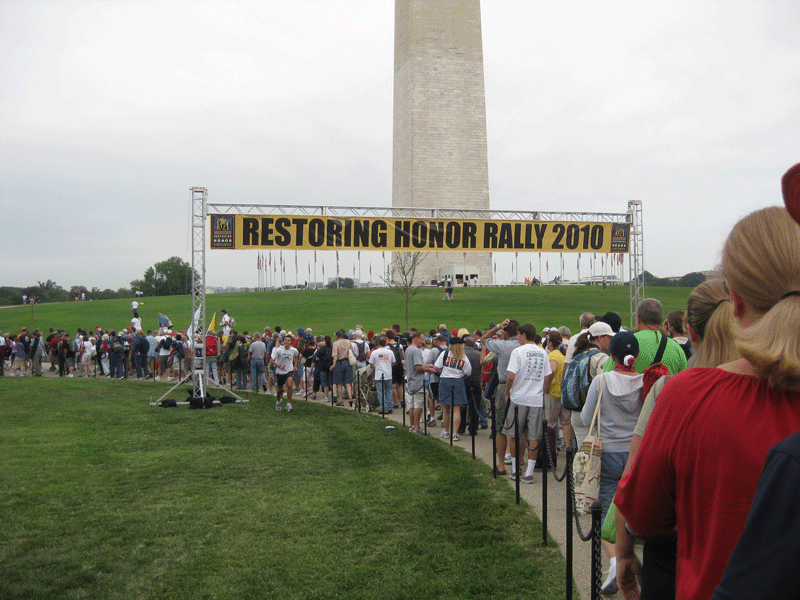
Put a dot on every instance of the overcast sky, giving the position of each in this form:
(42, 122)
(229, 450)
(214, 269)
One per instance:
(111, 111)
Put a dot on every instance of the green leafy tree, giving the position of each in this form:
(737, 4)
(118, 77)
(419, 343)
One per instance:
(344, 283)
(171, 277)
(76, 290)
(691, 280)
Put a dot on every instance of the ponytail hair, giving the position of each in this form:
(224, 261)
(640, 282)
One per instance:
(760, 262)
(709, 311)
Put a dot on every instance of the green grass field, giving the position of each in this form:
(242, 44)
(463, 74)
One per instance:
(105, 497)
(328, 310)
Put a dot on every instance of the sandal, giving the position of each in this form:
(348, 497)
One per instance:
(499, 472)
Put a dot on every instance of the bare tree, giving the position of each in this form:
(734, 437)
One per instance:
(402, 275)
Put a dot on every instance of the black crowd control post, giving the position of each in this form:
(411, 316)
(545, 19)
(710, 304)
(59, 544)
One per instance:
(544, 456)
(473, 420)
(494, 443)
(360, 391)
(568, 550)
(403, 401)
(452, 411)
(516, 447)
(383, 396)
(597, 565)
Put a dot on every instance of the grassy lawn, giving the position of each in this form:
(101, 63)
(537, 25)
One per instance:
(103, 496)
(328, 310)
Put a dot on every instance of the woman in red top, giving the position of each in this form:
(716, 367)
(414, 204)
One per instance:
(711, 428)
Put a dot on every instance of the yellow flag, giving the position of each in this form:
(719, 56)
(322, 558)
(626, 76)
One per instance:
(213, 323)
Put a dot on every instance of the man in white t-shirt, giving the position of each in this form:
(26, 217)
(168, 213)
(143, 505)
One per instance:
(225, 323)
(382, 359)
(529, 377)
(284, 359)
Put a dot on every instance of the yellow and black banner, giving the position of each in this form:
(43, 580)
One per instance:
(287, 232)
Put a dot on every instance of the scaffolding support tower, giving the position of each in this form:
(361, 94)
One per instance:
(199, 214)
(636, 257)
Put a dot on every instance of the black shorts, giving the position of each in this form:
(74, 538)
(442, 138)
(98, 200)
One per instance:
(280, 380)
(398, 374)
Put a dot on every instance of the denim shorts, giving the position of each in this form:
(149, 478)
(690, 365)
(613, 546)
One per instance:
(342, 372)
(612, 464)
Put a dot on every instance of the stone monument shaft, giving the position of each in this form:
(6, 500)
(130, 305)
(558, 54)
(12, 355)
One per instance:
(440, 150)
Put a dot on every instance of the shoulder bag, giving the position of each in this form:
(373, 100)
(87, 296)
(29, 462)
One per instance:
(586, 464)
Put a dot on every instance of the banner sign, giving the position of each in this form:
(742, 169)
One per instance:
(287, 232)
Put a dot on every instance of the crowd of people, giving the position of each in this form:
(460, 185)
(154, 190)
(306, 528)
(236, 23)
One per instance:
(682, 455)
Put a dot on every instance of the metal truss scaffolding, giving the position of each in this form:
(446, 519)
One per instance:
(199, 214)
(636, 257)
(201, 208)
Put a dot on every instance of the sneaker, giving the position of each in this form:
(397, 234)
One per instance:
(526, 479)
(455, 437)
(420, 431)
(610, 584)
(512, 476)
(289, 408)
(278, 406)
(445, 435)
(412, 430)
(432, 422)
(507, 459)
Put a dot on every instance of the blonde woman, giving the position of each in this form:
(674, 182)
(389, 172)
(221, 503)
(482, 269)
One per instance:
(452, 366)
(711, 429)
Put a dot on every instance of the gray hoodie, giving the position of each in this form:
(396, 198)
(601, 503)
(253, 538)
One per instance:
(619, 409)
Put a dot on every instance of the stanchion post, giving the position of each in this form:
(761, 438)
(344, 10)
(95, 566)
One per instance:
(452, 410)
(494, 442)
(403, 401)
(568, 511)
(597, 566)
(516, 449)
(544, 456)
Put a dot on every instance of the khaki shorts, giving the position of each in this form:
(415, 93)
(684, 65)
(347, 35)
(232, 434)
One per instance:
(416, 400)
(499, 407)
(530, 422)
(556, 414)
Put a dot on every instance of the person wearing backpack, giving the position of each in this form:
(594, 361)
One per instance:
(115, 370)
(140, 348)
(619, 395)
(212, 352)
(591, 355)
(164, 341)
(649, 315)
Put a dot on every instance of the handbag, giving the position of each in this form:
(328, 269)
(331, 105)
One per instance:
(586, 464)
(351, 357)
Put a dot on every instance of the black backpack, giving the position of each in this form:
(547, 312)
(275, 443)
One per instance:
(179, 350)
(166, 343)
(362, 352)
(397, 349)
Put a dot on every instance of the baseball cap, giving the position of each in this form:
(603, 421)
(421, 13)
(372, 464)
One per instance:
(600, 328)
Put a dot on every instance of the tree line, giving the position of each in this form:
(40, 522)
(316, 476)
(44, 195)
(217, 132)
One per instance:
(167, 278)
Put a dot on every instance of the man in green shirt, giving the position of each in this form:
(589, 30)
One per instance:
(649, 316)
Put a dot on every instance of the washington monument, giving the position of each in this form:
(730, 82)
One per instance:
(439, 154)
